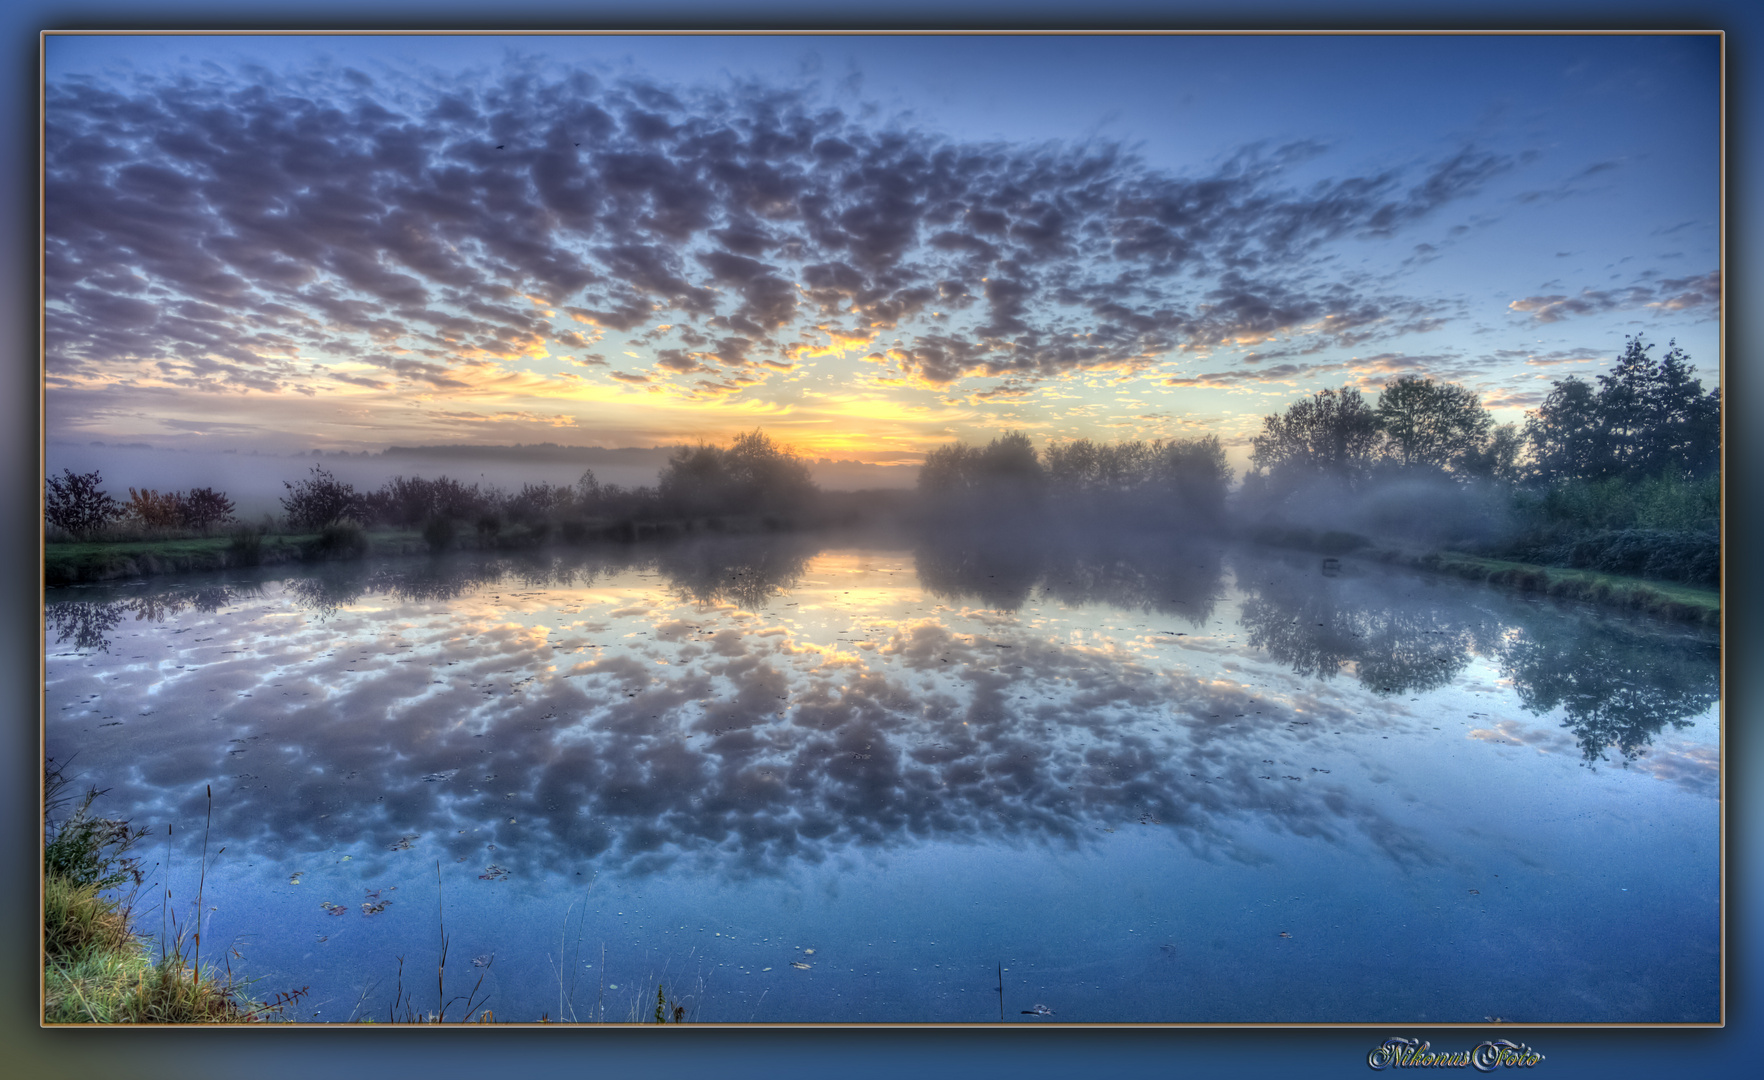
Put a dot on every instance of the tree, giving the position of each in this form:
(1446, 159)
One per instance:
(1330, 435)
(753, 474)
(947, 470)
(768, 476)
(1432, 425)
(1657, 419)
(1566, 433)
(155, 510)
(1646, 418)
(319, 500)
(205, 507)
(1192, 477)
(1498, 457)
(76, 503)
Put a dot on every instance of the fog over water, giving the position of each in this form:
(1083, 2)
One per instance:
(1156, 781)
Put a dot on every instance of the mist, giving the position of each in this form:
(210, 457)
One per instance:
(254, 480)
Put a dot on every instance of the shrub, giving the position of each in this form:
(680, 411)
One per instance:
(204, 508)
(246, 548)
(319, 500)
(154, 510)
(438, 533)
(341, 540)
(75, 503)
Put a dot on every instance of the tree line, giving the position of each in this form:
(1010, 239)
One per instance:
(754, 475)
(1179, 483)
(1646, 419)
(1620, 473)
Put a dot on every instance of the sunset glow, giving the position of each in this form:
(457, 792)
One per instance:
(290, 243)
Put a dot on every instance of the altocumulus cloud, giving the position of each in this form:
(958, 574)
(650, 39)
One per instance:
(228, 230)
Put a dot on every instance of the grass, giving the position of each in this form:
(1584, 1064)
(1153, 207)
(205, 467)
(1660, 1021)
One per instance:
(97, 968)
(1662, 599)
(67, 562)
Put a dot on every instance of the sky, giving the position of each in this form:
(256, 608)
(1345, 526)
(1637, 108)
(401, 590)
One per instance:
(865, 246)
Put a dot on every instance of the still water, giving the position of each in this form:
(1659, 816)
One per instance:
(806, 779)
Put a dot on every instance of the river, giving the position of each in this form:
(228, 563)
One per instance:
(850, 779)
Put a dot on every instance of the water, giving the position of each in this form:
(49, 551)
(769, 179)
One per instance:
(795, 779)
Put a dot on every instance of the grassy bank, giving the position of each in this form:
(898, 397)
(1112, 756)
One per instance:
(1661, 599)
(73, 562)
(97, 969)
(69, 562)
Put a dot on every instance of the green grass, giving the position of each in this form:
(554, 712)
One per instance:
(1664, 599)
(68, 562)
(96, 968)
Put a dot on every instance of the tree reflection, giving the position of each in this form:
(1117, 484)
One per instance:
(1393, 644)
(745, 570)
(1620, 683)
(1005, 572)
(89, 623)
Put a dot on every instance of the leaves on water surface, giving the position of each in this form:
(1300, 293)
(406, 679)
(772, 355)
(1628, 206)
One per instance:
(332, 909)
(483, 961)
(1284, 934)
(1038, 1010)
(404, 842)
(493, 873)
(435, 777)
(294, 879)
(799, 965)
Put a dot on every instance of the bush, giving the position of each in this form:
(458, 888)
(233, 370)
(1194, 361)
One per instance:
(154, 510)
(75, 503)
(204, 508)
(438, 533)
(342, 540)
(319, 500)
(246, 548)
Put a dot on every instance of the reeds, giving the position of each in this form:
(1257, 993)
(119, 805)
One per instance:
(96, 967)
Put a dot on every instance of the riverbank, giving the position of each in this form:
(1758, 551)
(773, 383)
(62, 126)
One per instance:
(91, 561)
(1660, 599)
(1671, 601)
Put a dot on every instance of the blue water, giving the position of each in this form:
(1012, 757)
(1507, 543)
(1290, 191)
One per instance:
(1150, 784)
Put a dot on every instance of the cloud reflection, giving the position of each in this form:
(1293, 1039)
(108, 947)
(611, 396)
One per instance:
(635, 709)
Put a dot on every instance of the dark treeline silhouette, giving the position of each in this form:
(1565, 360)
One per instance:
(1619, 475)
(1177, 485)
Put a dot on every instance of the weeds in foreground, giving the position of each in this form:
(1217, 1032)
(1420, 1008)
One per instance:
(408, 1001)
(96, 968)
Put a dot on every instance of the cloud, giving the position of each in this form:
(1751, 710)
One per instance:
(1669, 294)
(225, 218)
